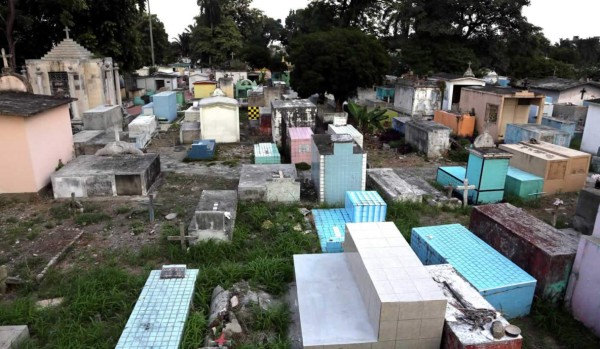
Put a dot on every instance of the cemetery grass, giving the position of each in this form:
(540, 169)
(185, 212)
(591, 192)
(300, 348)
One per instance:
(101, 283)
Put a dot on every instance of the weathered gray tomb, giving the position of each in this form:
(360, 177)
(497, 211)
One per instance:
(214, 217)
(103, 117)
(428, 137)
(271, 183)
(391, 186)
(116, 175)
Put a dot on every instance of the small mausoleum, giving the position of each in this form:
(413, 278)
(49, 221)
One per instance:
(417, 98)
(266, 153)
(428, 137)
(288, 114)
(103, 118)
(35, 139)
(461, 124)
(220, 119)
(338, 165)
(69, 70)
(204, 89)
(453, 85)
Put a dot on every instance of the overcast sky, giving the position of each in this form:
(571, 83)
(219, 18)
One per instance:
(558, 18)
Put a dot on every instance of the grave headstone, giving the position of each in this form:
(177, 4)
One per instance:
(214, 217)
(103, 118)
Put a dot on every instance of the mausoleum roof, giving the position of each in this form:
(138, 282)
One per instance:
(67, 49)
(28, 104)
(217, 100)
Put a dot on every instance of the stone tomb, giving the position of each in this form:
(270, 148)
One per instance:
(90, 175)
(458, 331)
(376, 294)
(394, 188)
(428, 137)
(103, 118)
(142, 128)
(214, 217)
(587, 208)
(501, 282)
(159, 316)
(276, 182)
(192, 114)
(189, 132)
(89, 142)
(582, 293)
(12, 336)
(540, 249)
(287, 114)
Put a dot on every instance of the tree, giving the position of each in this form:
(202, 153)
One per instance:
(182, 43)
(162, 47)
(337, 62)
(215, 46)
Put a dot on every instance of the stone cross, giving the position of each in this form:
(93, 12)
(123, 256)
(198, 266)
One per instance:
(465, 188)
(66, 30)
(182, 237)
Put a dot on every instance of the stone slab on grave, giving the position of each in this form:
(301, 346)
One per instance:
(159, 316)
(540, 249)
(463, 300)
(330, 225)
(89, 142)
(365, 206)
(266, 153)
(192, 114)
(254, 180)
(189, 132)
(117, 175)
(214, 217)
(12, 336)
(392, 187)
(383, 297)
(103, 118)
(582, 293)
(501, 282)
(142, 128)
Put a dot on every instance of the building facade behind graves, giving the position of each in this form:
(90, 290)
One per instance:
(70, 70)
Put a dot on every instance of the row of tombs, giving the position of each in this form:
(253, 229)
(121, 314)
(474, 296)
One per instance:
(449, 287)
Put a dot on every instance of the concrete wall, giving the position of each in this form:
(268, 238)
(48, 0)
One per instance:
(103, 118)
(450, 89)
(89, 85)
(512, 113)
(582, 294)
(31, 147)
(220, 122)
(590, 141)
(403, 99)
(570, 112)
(573, 95)
(433, 141)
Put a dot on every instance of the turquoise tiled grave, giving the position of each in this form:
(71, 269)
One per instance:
(501, 282)
(159, 316)
(365, 206)
(331, 228)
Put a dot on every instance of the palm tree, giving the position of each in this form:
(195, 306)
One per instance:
(182, 42)
(366, 120)
(210, 13)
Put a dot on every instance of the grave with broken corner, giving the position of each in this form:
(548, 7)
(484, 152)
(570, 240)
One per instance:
(469, 317)
(159, 316)
(501, 282)
(214, 217)
(384, 298)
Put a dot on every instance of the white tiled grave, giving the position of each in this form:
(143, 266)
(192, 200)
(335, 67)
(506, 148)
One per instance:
(377, 294)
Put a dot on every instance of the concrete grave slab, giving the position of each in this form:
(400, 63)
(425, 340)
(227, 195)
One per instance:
(540, 249)
(428, 137)
(89, 142)
(103, 118)
(214, 217)
(117, 175)
(257, 182)
(12, 336)
(458, 332)
(189, 132)
(160, 313)
(392, 187)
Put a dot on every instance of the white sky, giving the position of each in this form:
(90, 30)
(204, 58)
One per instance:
(558, 18)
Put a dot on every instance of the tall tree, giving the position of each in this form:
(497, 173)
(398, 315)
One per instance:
(162, 47)
(337, 62)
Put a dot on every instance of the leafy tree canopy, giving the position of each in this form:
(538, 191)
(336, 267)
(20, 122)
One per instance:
(337, 61)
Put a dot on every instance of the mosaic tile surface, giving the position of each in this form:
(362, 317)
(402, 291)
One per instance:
(159, 316)
(331, 228)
